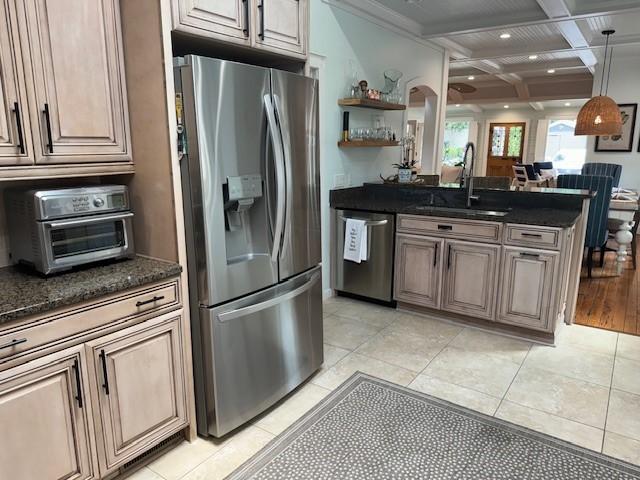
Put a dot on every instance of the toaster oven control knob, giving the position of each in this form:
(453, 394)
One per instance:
(98, 202)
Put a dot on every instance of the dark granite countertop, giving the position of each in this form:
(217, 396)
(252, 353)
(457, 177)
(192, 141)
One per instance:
(545, 207)
(510, 191)
(26, 293)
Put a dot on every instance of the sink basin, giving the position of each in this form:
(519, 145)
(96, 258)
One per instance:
(466, 211)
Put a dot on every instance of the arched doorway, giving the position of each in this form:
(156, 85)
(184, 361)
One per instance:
(422, 122)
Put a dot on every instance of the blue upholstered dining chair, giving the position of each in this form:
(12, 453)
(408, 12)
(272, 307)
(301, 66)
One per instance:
(531, 173)
(597, 231)
(612, 170)
(539, 166)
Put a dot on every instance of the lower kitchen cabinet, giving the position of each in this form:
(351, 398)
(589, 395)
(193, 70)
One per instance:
(138, 388)
(418, 270)
(46, 419)
(527, 287)
(469, 280)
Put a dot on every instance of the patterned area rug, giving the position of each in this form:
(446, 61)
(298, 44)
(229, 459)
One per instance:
(372, 429)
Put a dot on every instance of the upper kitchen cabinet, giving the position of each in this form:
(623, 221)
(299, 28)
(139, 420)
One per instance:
(281, 26)
(226, 20)
(15, 138)
(273, 26)
(79, 109)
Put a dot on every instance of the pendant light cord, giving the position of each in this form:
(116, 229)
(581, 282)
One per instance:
(606, 89)
(604, 66)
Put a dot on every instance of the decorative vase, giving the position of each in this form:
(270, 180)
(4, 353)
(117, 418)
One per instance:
(404, 175)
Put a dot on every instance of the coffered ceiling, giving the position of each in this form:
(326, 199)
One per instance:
(526, 51)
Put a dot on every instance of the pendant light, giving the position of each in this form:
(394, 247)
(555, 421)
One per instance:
(601, 115)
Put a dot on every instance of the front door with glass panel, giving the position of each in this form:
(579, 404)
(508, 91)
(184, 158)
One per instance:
(506, 146)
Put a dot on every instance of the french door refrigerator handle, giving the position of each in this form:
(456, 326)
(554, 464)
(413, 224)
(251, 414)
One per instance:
(240, 312)
(286, 148)
(278, 154)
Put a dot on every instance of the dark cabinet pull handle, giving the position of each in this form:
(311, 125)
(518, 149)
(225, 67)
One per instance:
(246, 18)
(445, 227)
(435, 255)
(530, 255)
(13, 343)
(47, 123)
(261, 8)
(105, 385)
(20, 145)
(76, 371)
(531, 235)
(449, 257)
(151, 300)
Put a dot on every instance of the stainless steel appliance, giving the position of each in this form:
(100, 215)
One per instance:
(252, 203)
(372, 278)
(57, 229)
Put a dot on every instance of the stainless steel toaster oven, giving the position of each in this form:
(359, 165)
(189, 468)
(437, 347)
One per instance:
(57, 229)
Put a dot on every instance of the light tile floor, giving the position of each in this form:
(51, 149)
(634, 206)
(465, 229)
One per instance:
(586, 390)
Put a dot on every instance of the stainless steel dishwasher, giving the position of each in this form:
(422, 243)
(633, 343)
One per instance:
(373, 277)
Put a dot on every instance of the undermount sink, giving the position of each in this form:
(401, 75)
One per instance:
(466, 211)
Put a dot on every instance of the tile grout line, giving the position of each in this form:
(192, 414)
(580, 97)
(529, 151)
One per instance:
(219, 451)
(462, 329)
(555, 416)
(613, 370)
(504, 395)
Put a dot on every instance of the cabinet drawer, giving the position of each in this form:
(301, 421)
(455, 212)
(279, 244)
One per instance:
(532, 236)
(84, 319)
(450, 227)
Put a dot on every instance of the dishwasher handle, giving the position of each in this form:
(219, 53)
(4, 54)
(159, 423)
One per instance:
(368, 223)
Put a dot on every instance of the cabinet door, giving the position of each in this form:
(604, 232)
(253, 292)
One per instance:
(139, 388)
(470, 278)
(527, 287)
(226, 20)
(15, 131)
(418, 270)
(79, 113)
(46, 420)
(281, 26)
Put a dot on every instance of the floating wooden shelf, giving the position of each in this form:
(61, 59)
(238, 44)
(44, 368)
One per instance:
(368, 143)
(366, 103)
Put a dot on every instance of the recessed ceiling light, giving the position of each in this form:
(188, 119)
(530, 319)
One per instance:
(533, 57)
(506, 106)
(551, 70)
(471, 77)
(505, 35)
(457, 104)
(567, 104)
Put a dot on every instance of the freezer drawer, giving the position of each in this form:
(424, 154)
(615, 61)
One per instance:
(373, 278)
(258, 349)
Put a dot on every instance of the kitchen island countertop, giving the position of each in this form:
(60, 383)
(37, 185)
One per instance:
(544, 207)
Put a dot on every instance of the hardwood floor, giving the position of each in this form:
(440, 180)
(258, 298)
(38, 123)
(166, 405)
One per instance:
(608, 301)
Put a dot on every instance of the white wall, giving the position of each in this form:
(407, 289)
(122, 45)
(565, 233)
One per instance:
(624, 87)
(339, 36)
(530, 118)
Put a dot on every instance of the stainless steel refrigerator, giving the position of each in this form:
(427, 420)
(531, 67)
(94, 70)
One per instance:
(251, 185)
